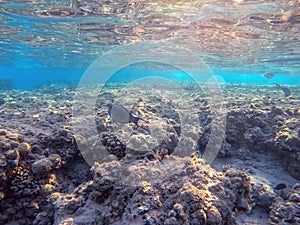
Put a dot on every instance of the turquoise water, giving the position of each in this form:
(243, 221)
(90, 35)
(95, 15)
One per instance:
(54, 42)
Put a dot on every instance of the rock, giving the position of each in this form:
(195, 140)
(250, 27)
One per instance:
(295, 193)
(262, 195)
(140, 145)
(4, 146)
(23, 183)
(55, 160)
(12, 158)
(288, 211)
(287, 145)
(43, 218)
(12, 154)
(200, 217)
(61, 142)
(213, 216)
(42, 167)
(24, 148)
(113, 145)
(171, 221)
(280, 186)
(275, 110)
(226, 150)
(170, 142)
(151, 203)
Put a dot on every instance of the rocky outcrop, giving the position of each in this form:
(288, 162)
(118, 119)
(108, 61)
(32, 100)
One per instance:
(287, 211)
(196, 194)
(45, 180)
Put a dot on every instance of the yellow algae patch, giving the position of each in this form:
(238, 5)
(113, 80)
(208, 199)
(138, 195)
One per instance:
(56, 196)
(47, 189)
(52, 179)
(146, 187)
(67, 221)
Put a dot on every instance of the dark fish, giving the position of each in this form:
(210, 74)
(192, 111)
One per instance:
(299, 133)
(121, 115)
(277, 86)
(285, 90)
(280, 186)
(268, 75)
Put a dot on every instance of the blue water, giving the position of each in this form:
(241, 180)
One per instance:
(33, 78)
(54, 42)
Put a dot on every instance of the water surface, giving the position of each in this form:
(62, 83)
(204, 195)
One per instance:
(46, 42)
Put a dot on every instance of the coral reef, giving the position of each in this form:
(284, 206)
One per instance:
(149, 177)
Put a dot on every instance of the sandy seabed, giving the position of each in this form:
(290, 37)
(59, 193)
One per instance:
(55, 169)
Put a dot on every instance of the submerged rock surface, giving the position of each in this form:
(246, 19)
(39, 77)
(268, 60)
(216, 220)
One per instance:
(287, 211)
(44, 178)
(197, 194)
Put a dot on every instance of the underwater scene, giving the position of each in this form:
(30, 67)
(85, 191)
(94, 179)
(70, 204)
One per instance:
(150, 112)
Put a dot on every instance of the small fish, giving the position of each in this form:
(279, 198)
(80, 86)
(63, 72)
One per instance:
(285, 90)
(299, 133)
(268, 75)
(121, 115)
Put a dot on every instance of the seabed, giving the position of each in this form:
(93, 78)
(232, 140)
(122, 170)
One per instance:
(46, 179)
